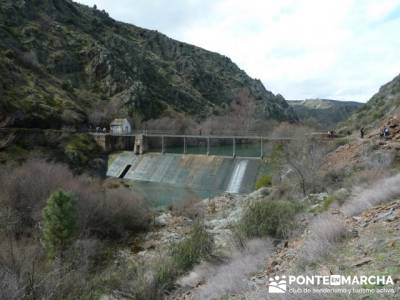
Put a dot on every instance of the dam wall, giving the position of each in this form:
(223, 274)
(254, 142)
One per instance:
(111, 143)
(175, 174)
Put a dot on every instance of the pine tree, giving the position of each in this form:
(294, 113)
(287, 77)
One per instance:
(59, 222)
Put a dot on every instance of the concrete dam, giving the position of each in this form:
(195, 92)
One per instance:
(165, 178)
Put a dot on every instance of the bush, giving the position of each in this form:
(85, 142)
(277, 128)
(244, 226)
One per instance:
(165, 273)
(102, 213)
(263, 181)
(81, 149)
(268, 217)
(186, 253)
(24, 190)
(188, 207)
(325, 205)
(113, 214)
(325, 232)
(59, 222)
(328, 202)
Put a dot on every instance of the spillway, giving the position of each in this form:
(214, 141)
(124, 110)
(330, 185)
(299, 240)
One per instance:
(168, 177)
(237, 176)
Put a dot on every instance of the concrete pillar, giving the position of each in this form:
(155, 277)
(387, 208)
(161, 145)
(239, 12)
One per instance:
(208, 145)
(261, 148)
(234, 147)
(184, 145)
(103, 141)
(162, 145)
(140, 146)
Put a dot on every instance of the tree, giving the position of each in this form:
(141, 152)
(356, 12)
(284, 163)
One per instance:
(302, 154)
(59, 222)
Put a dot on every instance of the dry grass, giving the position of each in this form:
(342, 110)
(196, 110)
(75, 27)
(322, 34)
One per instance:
(221, 280)
(364, 198)
(325, 231)
(189, 207)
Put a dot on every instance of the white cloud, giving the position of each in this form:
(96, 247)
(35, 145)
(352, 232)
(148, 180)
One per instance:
(343, 49)
(376, 10)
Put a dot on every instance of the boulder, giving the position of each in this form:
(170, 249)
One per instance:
(163, 220)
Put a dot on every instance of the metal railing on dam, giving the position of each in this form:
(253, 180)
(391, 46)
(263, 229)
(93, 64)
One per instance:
(162, 140)
(146, 139)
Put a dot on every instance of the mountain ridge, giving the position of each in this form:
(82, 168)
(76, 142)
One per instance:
(65, 64)
(324, 113)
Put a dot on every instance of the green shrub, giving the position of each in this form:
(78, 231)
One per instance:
(59, 222)
(165, 273)
(186, 253)
(328, 202)
(81, 149)
(268, 217)
(263, 181)
(324, 206)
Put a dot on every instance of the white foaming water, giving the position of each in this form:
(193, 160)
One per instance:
(237, 177)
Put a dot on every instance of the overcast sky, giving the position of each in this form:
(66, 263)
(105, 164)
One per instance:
(339, 49)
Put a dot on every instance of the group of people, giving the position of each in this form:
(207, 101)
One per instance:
(98, 129)
(331, 134)
(385, 133)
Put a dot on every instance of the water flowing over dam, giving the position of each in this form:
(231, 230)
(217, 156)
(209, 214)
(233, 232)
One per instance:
(164, 178)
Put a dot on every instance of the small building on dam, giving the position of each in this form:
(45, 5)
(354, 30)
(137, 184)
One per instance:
(120, 126)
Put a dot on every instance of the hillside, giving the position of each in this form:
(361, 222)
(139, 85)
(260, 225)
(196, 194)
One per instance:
(379, 109)
(63, 64)
(324, 113)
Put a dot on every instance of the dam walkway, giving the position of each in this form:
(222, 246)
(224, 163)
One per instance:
(142, 140)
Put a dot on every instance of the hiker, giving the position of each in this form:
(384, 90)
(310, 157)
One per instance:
(386, 132)
(362, 132)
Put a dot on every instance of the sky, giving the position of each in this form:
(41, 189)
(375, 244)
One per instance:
(341, 49)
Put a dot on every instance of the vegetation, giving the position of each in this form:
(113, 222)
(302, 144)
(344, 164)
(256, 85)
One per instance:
(189, 251)
(269, 218)
(59, 223)
(80, 225)
(383, 105)
(151, 280)
(56, 78)
(323, 113)
(325, 232)
(263, 181)
(325, 205)
(300, 159)
(80, 149)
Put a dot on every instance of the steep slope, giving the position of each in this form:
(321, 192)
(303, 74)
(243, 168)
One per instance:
(379, 109)
(324, 113)
(62, 64)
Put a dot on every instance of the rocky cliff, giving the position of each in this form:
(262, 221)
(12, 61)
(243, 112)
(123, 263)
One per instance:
(65, 64)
